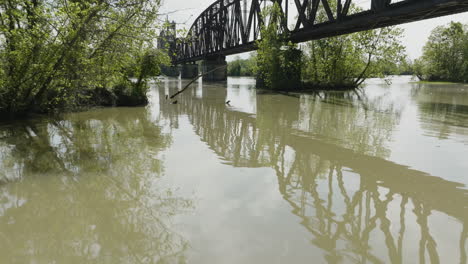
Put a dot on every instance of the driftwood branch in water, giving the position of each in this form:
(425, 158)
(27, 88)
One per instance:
(196, 78)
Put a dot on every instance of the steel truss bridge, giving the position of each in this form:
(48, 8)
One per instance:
(232, 26)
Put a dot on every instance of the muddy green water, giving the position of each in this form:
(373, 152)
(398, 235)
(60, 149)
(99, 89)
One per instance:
(377, 176)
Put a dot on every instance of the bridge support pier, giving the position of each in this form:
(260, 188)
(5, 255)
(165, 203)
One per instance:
(189, 71)
(212, 63)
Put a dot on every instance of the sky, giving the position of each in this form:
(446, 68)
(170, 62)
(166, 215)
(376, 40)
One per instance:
(184, 12)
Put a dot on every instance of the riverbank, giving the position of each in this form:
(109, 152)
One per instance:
(120, 96)
(306, 86)
(439, 82)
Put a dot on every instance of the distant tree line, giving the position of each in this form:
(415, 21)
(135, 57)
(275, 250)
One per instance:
(404, 66)
(242, 67)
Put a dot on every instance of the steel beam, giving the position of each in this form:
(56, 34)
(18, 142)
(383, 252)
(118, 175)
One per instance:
(225, 28)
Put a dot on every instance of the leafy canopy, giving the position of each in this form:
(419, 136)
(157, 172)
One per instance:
(241, 67)
(278, 62)
(54, 52)
(445, 55)
(347, 61)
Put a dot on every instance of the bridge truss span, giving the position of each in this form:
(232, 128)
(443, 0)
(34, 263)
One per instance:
(232, 26)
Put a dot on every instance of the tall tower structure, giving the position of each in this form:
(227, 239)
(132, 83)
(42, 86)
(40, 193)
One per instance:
(167, 38)
(167, 41)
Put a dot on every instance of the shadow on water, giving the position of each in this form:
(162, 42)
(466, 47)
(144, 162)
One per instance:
(85, 189)
(329, 153)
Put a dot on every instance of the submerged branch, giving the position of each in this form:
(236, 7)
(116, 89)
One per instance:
(196, 78)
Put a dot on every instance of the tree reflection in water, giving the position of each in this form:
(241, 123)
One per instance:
(85, 189)
(329, 153)
(443, 108)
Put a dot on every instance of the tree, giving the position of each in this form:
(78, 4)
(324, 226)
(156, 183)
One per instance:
(55, 54)
(278, 62)
(445, 55)
(419, 69)
(405, 67)
(347, 61)
(242, 67)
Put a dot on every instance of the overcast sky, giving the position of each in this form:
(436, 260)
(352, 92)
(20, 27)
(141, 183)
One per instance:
(416, 33)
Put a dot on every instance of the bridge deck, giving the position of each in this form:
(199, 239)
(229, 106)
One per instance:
(225, 28)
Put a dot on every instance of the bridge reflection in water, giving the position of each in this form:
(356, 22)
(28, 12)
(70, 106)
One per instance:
(330, 154)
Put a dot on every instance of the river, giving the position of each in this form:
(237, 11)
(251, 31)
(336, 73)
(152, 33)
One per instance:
(373, 176)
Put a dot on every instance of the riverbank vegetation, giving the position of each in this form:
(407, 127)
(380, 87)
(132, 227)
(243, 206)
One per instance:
(346, 61)
(445, 55)
(278, 62)
(65, 55)
(242, 67)
(342, 62)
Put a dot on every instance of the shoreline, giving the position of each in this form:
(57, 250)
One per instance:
(439, 82)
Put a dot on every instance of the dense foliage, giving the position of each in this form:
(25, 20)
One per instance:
(445, 55)
(402, 67)
(58, 55)
(347, 61)
(340, 62)
(278, 63)
(242, 67)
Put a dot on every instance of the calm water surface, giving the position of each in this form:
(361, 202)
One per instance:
(373, 176)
